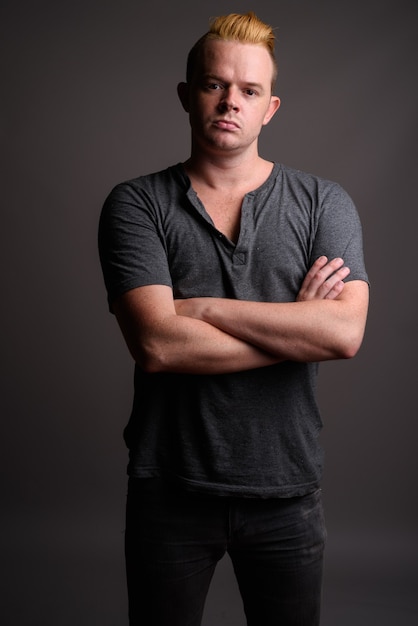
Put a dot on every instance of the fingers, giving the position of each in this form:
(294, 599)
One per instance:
(334, 291)
(324, 280)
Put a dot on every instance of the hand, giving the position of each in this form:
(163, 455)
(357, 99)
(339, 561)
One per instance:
(324, 281)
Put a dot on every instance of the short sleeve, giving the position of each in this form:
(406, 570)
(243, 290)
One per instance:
(339, 231)
(131, 246)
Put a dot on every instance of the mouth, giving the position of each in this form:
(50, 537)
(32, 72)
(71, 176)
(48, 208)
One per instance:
(224, 124)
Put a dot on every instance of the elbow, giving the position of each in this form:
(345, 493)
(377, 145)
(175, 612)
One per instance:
(151, 359)
(349, 345)
(348, 351)
(149, 366)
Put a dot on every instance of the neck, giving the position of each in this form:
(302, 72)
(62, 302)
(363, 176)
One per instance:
(221, 172)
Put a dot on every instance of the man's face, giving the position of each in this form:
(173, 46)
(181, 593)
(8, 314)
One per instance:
(229, 98)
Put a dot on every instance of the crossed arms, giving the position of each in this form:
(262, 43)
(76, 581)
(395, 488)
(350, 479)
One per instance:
(218, 336)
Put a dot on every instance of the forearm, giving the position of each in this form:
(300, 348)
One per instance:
(196, 347)
(160, 340)
(296, 331)
(315, 330)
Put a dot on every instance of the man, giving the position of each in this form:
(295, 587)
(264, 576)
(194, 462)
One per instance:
(231, 277)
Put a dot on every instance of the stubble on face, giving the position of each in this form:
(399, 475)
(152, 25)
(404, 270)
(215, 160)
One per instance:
(230, 95)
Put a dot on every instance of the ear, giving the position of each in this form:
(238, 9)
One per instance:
(183, 94)
(272, 108)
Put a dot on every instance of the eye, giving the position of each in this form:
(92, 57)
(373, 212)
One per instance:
(213, 86)
(250, 92)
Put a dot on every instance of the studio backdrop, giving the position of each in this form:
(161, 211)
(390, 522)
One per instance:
(88, 100)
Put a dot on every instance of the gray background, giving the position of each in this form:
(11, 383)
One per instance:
(89, 99)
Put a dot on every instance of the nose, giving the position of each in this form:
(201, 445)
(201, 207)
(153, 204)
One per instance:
(229, 100)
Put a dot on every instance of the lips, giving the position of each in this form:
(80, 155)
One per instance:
(226, 124)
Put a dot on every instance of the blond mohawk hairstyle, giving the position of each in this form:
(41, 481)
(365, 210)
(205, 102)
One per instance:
(244, 28)
(247, 28)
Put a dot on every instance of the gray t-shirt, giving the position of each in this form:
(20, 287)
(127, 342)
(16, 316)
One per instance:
(252, 433)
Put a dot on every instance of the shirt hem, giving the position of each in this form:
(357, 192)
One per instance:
(225, 490)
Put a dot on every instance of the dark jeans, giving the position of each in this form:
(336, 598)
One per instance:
(174, 541)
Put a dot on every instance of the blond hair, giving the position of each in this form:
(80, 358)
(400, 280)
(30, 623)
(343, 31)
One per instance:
(235, 27)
